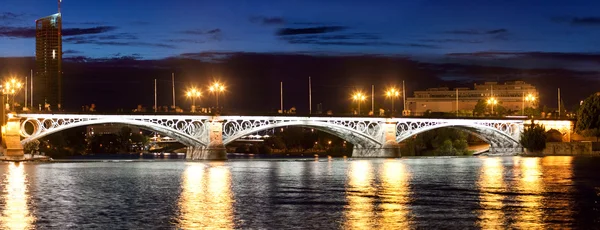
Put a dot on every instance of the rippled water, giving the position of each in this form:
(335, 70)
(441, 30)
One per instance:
(491, 193)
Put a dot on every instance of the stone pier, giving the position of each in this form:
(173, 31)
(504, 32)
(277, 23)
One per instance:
(390, 148)
(215, 149)
(11, 139)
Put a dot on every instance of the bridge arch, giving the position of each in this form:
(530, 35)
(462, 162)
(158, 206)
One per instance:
(233, 131)
(507, 138)
(41, 131)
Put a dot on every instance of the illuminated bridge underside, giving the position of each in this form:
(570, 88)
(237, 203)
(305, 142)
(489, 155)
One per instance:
(364, 132)
(503, 135)
(206, 136)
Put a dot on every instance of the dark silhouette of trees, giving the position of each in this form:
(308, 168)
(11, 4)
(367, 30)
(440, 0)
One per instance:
(588, 117)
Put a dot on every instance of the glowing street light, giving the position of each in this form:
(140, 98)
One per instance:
(359, 97)
(11, 87)
(193, 93)
(492, 101)
(392, 93)
(529, 98)
(217, 88)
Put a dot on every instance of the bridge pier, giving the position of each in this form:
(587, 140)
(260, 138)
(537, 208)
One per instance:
(215, 150)
(390, 148)
(11, 139)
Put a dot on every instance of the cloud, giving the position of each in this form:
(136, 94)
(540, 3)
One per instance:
(529, 60)
(267, 20)
(72, 52)
(17, 32)
(477, 32)
(578, 21)
(120, 56)
(92, 30)
(310, 30)
(554, 55)
(202, 32)
(213, 35)
(119, 43)
(185, 40)
(349, 36)
(356, 43)
(28, 32)
(99, 40)
(452, 40)
(119, 36)
(8, 16)
(83, 23)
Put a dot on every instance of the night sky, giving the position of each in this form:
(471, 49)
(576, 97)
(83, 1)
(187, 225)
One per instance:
(455, 42)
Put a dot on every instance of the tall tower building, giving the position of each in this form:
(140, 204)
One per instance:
(48, 60)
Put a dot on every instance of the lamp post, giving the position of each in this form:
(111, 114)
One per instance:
(193, 93)
(359, 96)
(392, 93)
(492, 101)
(529, 98)
(11, 88)
(217, 88)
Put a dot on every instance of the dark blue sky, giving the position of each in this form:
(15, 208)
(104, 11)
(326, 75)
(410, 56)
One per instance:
(431, 30)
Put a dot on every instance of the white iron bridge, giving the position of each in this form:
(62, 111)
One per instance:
(206, 136)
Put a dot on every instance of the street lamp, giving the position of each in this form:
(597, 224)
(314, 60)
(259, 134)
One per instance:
(217, 88)
(359, 96)
(392, 93)
(11, 87)
(492, 101)
(193, 93)
(529, 98)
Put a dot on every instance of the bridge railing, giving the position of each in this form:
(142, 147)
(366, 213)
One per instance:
(349, 115)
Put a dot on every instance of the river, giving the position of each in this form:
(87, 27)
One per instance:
(406, 193)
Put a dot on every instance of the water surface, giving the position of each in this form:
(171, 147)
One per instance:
(407, 193)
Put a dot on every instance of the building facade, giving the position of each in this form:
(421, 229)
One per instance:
(47, 82)
(510, 95)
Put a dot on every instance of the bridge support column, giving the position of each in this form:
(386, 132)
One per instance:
(11, 139)
(390, 148)
(215, 149)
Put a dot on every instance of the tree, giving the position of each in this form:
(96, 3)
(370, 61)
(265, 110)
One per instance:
(32, 147)
(479, 109)
(588, 117)
(124, 138)
(533, 138)
(532, 112)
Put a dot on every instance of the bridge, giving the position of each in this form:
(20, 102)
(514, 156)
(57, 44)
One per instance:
(207, 136)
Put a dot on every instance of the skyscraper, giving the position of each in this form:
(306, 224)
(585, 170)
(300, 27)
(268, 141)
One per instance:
(48, 60)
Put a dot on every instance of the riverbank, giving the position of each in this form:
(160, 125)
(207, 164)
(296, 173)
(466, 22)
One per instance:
(26, 158)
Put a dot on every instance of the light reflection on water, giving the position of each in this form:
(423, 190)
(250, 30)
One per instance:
(395, 195)
(531, 186)
(382, 203)
(490, 185)
(206, 199)
(15, 195)
(360, 213)
(447, 193)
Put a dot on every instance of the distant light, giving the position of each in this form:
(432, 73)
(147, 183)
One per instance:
(53, 54)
